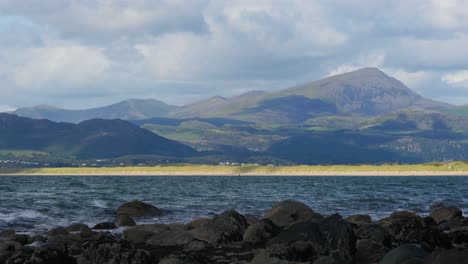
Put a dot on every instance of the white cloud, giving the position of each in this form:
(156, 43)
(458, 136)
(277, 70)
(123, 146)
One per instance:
(63, 52)
(60, 64)
(459, 78)
(6, 108)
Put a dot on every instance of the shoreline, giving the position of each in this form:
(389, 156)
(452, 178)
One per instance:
(208, 174)
(430, 169)
(288, 232)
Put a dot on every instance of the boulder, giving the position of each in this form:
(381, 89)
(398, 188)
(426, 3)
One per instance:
(359, 219)
(404, 254)
(251, 219)
(339, 237)
(78, 228)
(369, 251)
(262, 257)
(105, 226)
(197, 223)
(8, 249)
(138, 209)
(109, 251)
(260, 232)
(374, 232)
(289, 212)
(326, 260)
(143, 233)
(58, 231)
(445, 256)
(445, 213)
(124, 220)
(224, 228)
(303, 241)
(7, 235)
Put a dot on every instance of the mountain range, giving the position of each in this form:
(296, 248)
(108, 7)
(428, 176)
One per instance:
(126, 110)
(356, 117)
(95, 138)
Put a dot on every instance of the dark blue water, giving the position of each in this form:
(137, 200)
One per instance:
(37, 203)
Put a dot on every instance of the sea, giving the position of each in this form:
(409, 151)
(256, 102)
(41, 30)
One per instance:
(33, 204)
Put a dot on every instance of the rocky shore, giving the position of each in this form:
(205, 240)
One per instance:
(290, 232)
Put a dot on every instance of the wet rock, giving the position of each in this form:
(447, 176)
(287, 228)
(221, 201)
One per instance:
(124, 220)
(302, 241)
(105, 226)
(340, 238)
(326, 260)
(141, 233)
(374, 232)
(224, 228)
(359, 219)
(445, 213)
(50, 253)
(251, 219)
(260, 232)
(289, 212)
(197, 223)
(7, 235)
(108, 251)
(78, 228)
(22, 239)
(369, 251)
(57, 232)
(8, 249)
(263, 257)
(138, 209)
(419, 231)
(444, 256)
(405, 254)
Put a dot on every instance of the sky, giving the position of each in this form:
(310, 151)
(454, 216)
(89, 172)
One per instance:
(84, 53)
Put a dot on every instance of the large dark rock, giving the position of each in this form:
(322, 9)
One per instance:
(443, 213)
(260, 232)
(109, 251)
(374, 232)
(446, 256)
(289, 212)
(105, 226)
(124, 220)
(405, 254)
(417, 230)
(78, 228)
(8, 249)
(340, 238)
(307, 241)
(138, 209)
(7, 235)
(302, 241)
(50, 253)
(57, 231)
(224, 228)
(359, 219)
(369, 251)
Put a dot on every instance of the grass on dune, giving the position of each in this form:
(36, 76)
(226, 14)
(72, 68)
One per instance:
(248, 169)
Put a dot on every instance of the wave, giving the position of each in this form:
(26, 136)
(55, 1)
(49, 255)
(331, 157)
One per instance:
(100, 204)
(21, 214)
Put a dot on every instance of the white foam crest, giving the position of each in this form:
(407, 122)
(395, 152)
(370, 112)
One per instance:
(22, 214)
(100, 204)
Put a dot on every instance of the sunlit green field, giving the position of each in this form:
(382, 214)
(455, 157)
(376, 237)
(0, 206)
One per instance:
(454, 168)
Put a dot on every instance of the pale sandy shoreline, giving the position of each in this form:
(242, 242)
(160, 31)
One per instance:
(207, 174)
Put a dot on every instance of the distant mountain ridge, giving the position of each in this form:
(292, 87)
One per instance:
(133, 109)
(95, 138)
(365, 92)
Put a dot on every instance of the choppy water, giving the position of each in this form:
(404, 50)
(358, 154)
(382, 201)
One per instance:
(37, 203)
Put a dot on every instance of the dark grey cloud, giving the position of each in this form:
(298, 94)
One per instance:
(87, 53)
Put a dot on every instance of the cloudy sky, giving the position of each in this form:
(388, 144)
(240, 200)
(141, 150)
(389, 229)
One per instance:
(86, 53)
